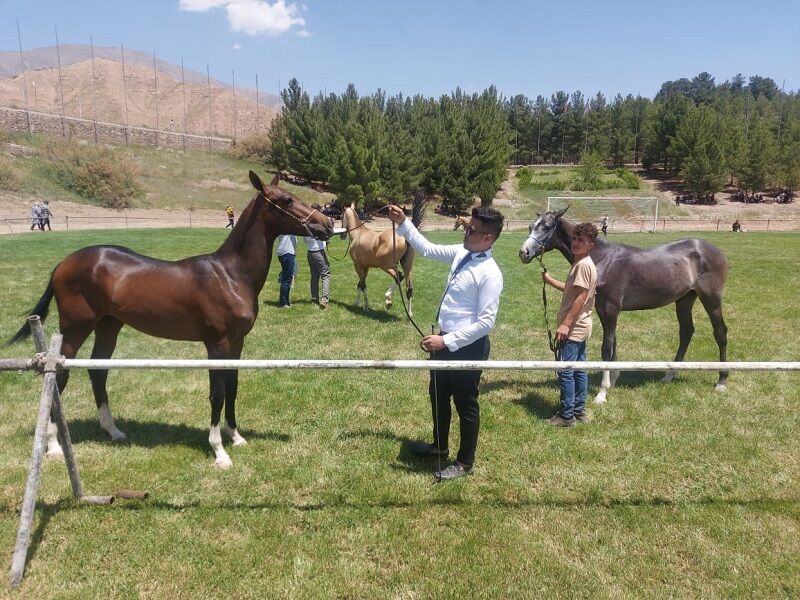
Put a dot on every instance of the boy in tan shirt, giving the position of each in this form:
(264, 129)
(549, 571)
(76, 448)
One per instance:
(575, 326)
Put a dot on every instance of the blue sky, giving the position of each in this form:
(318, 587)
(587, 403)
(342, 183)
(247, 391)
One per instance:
(431, 47)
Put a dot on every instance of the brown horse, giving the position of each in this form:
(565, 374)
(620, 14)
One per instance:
(461, 222)
(373, 249)
(211, 298)
(630, 278)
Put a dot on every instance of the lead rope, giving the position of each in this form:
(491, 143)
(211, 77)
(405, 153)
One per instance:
(555, 348)
(433, 371)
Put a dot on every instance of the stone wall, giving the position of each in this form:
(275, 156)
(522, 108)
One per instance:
(21, 121)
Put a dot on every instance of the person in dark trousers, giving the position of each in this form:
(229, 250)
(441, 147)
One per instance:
(45, 218)
(36, 217)
(287, 249)
(229, 212)
(466, 315)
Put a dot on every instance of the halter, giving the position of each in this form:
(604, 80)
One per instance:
(555, 347)
(303, 221)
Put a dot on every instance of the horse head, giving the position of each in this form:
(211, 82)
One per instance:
(350, 219)
(286, 213)
(541, 235)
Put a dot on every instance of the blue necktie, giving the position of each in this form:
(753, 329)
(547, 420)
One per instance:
(468, 257)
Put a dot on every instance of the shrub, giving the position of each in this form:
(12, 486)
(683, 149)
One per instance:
(524, 176)
(256, 148)
(94, 172)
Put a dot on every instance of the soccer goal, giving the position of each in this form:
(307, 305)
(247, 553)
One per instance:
(625, 213)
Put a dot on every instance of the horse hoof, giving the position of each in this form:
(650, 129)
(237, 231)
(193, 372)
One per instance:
(720, 387)
(56, 452)
(388, 305)
(223, 463)
(118, 436)
(240, 441)
(667, 378)
(601, 399)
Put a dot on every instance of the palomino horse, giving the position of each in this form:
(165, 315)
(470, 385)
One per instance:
(461, 222)
(211, 298)
(382, 250)
(630, 278)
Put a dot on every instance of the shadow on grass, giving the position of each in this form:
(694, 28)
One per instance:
(376, 315)
(406, 460)
(151, 434)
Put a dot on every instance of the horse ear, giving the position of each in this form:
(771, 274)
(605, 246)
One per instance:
(276, 179)
(538, 215)
(256, 181)
(560, 213)
(353, 205)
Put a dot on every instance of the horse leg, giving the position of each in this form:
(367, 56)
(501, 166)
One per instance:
(407, 263)
(105, 340)
(231, 390)
(361, 286)
(74, 336)
(397, 277)
(713, 305)
(683, 310)
(217, 399)
(608, 318)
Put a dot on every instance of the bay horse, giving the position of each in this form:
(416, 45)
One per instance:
(382, 250)
(210, 298)
(631, 278)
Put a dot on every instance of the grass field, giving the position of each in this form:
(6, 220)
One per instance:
(672, 490)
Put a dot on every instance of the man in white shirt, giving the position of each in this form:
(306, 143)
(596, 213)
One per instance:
(287, 248)
(466, 316)
(320, 268)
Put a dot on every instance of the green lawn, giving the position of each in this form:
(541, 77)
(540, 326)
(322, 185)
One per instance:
(672, 491)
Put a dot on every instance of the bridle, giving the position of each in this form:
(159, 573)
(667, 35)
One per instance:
(304, 221)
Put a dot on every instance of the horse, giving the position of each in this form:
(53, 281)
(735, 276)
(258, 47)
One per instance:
(461, 222)
(383, 250)
(210, 298)
(630, 278)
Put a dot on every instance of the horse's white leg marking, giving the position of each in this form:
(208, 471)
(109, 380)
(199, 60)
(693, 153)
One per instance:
(605, 385)
(720, 387)
(107, 423)
(215, 439)
(53, 447)
(668, 376)
(358, 296)
(237, 439)
(387, 297)
(366, 298)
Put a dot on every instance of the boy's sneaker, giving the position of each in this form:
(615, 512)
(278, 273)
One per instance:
(583, 417)
(558, 421)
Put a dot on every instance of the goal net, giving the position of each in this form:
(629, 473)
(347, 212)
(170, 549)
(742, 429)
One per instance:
(625, 213)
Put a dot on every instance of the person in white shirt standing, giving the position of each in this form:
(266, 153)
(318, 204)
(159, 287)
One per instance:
(466, 315)
(320, 268)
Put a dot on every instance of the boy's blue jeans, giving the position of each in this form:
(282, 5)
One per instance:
(287, 270)
(574, 384)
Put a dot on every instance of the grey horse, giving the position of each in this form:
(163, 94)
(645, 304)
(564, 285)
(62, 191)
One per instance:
(630, 278)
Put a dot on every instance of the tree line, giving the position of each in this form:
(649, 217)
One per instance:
(373, 149)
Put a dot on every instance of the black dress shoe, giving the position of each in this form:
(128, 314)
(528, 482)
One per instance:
(426, 450)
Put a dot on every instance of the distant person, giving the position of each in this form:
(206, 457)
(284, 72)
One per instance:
(320, 269)
(575, 326)
(287, 248)
(45, 217)
(171, 124)
(36, 217)
(229, 212)
(604, 225)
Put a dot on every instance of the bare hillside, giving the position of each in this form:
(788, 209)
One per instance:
(221, 114)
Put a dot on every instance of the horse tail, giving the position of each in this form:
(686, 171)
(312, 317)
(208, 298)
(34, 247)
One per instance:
(417, 216)
(41, 309)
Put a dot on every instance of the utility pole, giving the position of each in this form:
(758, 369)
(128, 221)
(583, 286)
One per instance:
(125, 94)
(24, 83)
(94, 93)
(61, 87)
